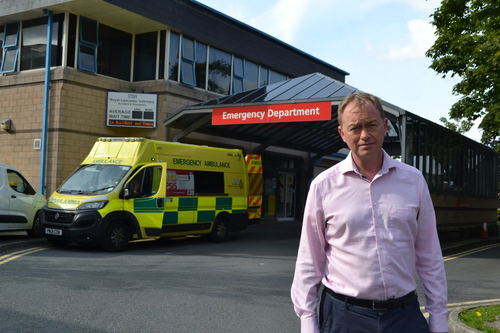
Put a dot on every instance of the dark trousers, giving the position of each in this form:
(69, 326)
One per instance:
(337, 316)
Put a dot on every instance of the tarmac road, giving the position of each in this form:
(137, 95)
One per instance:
(252, 295)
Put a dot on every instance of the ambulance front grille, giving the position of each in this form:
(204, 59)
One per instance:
(59, 217)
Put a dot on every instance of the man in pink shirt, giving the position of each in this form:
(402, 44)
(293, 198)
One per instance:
(369, 225)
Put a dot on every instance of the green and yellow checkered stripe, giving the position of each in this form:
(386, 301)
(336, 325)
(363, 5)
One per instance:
(180, 210)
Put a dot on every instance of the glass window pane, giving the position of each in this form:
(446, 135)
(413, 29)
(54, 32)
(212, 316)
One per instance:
(264, 76)
(188, 72)
(238, 67)
(71, 41)
(1, 43)
(11, 35)
(145, 56)
(277, 77)
(34, 41)
(114, 53)
(238, 85)
(34, 44)
(201, 64)
(173, 57)
(219, 71)
(10, 60)
(87, 58)
(188, 48)
(88, 31)
(251, 75)
(161, 66)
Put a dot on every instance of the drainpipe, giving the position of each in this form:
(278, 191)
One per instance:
(46, 98)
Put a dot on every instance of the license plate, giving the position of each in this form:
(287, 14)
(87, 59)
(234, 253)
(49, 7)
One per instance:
(50, 231)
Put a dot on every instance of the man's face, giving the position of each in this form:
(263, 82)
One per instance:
(363, 130)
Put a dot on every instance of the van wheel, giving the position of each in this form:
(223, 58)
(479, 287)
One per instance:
(116, 237)
(220, 231)
(33, 232)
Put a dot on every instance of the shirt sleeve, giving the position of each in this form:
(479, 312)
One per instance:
(310, 263)
(429, 263)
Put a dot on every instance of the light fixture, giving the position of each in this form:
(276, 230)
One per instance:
(5, 124)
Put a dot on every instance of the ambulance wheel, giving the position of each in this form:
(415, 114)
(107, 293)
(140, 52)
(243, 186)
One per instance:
(220, 231)
(33, 232)
(116, 237)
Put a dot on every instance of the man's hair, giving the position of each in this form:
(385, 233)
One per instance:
(360, 99)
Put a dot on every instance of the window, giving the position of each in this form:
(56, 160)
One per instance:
(238, 75)
(1, 43)
(264, 76)
(161, 67)
(251, 80)
(208, 182)
(194, 62)
(146, 182)
(87, 48)
(70, 62)
(34, 43)
(188, 61)
(19, 184)
(10, 48)
(114, 56)
(245, 75)
(94, 178)
(173, 57)
(201, 65)
(219, 71)
(145, 56)
(276, 77)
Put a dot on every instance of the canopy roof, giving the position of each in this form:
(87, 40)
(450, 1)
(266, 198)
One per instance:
(317, 137)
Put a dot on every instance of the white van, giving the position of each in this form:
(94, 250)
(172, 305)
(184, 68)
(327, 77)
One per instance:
(19, 202)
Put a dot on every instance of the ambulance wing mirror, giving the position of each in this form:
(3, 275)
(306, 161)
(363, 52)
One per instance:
(126, 191)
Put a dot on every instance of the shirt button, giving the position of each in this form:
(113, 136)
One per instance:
(375, 204)
(381, 247)
(383, 269)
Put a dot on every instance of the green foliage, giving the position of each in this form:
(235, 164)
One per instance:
(468, 45)
(476, 317)
(460, 126)
(498, 214)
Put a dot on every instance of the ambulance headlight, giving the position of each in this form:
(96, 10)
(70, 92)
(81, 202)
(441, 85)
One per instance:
(93, 205)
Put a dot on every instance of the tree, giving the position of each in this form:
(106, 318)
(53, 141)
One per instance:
(468, 45)
(457, 125)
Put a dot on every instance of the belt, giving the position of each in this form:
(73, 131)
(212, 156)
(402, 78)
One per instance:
(375, 305)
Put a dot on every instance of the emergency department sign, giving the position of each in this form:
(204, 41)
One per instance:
(273, 113)
(131, 110)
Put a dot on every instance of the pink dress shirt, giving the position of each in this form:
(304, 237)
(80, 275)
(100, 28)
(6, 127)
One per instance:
(365, 239)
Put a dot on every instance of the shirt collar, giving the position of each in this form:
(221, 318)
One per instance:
(349, 165)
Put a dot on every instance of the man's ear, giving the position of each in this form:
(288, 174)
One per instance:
(341, 132)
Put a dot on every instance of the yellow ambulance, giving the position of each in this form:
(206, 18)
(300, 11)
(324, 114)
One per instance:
(135, 188)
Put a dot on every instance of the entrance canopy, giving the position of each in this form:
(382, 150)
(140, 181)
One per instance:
(318, 137)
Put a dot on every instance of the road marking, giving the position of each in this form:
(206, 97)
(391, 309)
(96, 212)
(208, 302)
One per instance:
(8, 257)
(462, 254)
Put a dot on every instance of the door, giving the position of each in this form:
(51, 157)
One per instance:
(146, 198)
(21, 197)
(285, 203)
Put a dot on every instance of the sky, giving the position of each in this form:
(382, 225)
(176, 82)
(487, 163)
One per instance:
(380, 43)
